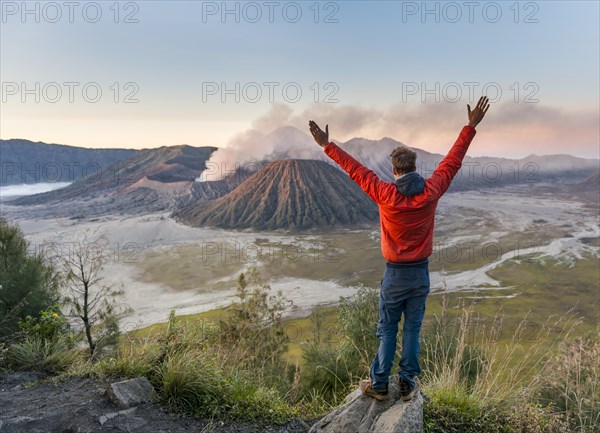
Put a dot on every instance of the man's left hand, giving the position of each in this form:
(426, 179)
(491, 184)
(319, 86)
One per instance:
(322, 138)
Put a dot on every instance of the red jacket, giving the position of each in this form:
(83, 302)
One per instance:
(406, 221)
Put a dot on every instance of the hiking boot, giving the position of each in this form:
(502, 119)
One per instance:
(407, 392)
(376, 393)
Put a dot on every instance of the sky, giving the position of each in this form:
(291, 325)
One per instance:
(144, 74)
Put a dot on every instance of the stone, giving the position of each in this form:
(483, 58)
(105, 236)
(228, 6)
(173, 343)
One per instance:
(103, 418)
(363, 414)
(129, 393)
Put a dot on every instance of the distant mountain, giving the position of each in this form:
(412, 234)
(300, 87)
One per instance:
(477, 172)
(163, 179)
(151, 180)
(287, 194)
(24, 161)
(559, 162)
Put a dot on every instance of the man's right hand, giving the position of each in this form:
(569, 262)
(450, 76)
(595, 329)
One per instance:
(322, 138)
(477, 114)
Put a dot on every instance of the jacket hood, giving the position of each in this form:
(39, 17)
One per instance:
(410, 184)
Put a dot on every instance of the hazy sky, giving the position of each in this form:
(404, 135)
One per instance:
(153, 73)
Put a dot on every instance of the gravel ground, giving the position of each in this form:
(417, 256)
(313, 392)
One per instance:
(78, 405)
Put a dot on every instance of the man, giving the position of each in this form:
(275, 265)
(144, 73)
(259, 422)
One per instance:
(407, 211)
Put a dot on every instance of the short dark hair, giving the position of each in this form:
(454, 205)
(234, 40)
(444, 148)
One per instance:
(404, 160)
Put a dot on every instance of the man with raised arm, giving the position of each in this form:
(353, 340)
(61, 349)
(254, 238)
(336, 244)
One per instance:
(407, 212)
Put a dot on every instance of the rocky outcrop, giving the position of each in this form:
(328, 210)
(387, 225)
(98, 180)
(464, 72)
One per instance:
(363, 414)
(129, 393)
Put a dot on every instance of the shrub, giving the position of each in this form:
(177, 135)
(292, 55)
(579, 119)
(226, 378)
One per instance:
(329, 371)
(253, 335)
(454, 409)
(36, 353)
(29, 282)
(570, 380)
(326, 372)
(50, 324)
(48, 345)
(357, 322)
(448, 355)
(533, 418)
(194, 377)
(194, 373)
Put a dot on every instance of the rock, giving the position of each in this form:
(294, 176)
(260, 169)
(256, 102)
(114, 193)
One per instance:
(103, 418)
(363, 414)
(130, 393)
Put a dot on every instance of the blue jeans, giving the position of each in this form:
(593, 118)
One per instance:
(404, 290)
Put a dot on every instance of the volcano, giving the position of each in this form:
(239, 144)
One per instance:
(286, 194)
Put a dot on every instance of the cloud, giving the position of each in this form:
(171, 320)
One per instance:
(508, 130)
(279, 115)
(11, 191)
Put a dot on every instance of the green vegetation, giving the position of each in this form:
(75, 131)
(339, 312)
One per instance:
(494, 363)
(48, 344)
(236, 369)
(28, 284)
(235, 366)
(34, 331)
(549, 286)
(232, 367)
(331, 370)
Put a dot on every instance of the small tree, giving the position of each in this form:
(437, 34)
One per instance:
(256, 324)
(90, 300)
(28, 281)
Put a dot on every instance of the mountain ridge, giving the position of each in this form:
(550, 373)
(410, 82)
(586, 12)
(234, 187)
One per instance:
(165, 178)
(25, 161)
(151, 180)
